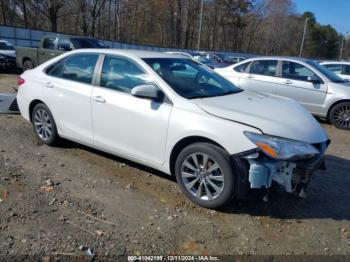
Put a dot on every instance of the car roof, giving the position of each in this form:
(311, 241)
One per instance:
(289, 58)
(335, 62)
(129, 52)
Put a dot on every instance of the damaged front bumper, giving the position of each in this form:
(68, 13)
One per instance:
(257, 170)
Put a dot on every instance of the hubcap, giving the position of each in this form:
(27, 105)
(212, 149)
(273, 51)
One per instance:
(342, 116)
(43, 125)
(202, 176)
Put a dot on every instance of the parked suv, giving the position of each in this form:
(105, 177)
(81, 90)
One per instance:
(318, 89)
(175, 115)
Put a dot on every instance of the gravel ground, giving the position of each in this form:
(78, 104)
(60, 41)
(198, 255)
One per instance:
(72, 200)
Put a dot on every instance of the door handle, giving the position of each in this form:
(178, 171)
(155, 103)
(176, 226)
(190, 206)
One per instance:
(250, 76)
(48, 85)
(288, 82)
(99, 99)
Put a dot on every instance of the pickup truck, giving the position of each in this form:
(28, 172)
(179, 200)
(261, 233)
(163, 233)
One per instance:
(50, 47)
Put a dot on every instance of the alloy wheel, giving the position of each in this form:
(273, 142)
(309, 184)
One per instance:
(342, 116)
(42, 124)
(202, 176)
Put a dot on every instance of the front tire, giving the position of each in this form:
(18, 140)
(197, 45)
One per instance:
(44, 125)
(339, 115)
(205, 175)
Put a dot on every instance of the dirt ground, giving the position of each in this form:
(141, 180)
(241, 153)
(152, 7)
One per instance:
(72, 200)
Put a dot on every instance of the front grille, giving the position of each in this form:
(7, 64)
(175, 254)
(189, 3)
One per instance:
(14, 106)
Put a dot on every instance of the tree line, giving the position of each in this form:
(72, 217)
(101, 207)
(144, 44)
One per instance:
(266, 27)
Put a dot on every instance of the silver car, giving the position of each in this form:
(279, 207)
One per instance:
(318, 89)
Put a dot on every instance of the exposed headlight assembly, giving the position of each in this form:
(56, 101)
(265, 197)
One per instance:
(282, 148)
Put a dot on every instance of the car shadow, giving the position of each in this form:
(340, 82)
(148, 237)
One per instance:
(70, 144)
(328, 195)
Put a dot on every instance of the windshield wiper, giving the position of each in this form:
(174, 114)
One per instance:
(223, 94)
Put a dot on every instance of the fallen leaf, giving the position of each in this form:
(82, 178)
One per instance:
(100, 233)
(46, 188)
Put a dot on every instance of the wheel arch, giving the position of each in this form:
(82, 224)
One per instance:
(32, 105)
(180, 145)
(334, 104)
(26, 59)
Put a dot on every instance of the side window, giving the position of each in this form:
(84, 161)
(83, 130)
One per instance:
(335, 68)
(264, 67)
(346, 70)
(122, 74)
(49, 43)
(64, 44)
(79, 67)
(241, 68)
(296, 71)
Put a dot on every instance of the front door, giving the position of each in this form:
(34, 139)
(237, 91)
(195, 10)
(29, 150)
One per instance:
(122, 123)
(294, 84)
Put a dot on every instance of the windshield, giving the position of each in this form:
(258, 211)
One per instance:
(87, 43)
(6, 46)
(328, 73)
(190, 79)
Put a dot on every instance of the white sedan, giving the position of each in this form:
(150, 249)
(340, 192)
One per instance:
(175, 115)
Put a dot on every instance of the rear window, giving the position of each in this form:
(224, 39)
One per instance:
(264, 67)
(49, 43)
(78, 67)
(87, 43)
(241, 68)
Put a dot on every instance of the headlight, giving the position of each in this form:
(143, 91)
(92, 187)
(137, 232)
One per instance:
(282, 148)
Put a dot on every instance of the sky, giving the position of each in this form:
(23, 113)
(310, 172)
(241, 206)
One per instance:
(333, 12)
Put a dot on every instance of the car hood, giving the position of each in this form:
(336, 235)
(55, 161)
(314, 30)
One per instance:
(272, 115)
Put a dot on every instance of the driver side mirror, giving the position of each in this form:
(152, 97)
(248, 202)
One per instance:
(313, 79)
(147, 91)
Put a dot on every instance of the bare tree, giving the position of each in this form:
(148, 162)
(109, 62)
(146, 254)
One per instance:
(50, 9)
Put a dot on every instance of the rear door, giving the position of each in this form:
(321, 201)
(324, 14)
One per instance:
(260, 76)
(233, 73)
(294, 84)
(67, 89)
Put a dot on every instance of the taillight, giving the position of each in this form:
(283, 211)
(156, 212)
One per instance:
(20, 81)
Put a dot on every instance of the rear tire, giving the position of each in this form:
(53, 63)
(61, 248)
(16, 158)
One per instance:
(206, 175)
(44, 125)
(28, 64)
(339, 116)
